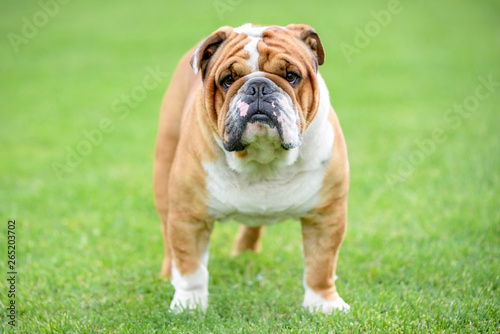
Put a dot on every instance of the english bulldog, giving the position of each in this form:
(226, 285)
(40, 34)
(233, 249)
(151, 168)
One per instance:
(247, 134)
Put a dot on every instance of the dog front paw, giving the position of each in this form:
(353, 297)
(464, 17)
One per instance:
(183, 301)
(326, 306)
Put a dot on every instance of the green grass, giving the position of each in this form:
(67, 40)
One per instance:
(420, 255)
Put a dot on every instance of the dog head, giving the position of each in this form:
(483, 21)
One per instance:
(260, 83)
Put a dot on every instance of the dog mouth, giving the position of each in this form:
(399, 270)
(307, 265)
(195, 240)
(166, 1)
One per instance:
(260, 117)
(258, 126)
(261, 111)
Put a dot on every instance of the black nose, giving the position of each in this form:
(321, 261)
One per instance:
(259, 87)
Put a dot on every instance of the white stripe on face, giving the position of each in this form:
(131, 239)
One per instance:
(255, 35)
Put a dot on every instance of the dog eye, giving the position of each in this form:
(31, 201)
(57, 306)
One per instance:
(292, 78)
(227, 81)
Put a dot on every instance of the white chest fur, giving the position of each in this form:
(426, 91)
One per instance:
(285, 188)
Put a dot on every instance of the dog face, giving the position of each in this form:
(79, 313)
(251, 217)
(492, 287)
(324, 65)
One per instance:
(259, 83)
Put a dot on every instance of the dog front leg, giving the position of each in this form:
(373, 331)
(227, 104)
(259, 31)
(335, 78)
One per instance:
(323, 231)
(189, 240)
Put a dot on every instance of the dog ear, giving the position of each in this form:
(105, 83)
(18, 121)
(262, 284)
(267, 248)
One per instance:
(311, 38)
(206, 50)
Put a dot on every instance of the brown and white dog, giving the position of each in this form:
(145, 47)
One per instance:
(250, 136)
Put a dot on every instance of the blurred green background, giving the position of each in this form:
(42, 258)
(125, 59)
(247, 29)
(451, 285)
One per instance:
(82, 84)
